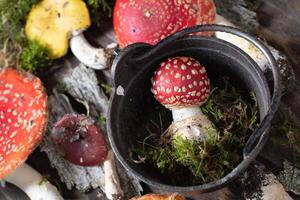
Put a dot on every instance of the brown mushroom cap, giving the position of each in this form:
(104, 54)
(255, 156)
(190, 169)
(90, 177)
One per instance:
(80, 140)
(180, 82)
(23, 117)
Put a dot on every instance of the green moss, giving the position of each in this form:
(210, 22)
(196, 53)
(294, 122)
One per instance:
(44, 180)
(233, 111)
(107, 88)
(13, 14)
(101, 120)
(35, 56)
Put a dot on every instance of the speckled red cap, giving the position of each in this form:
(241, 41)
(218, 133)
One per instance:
(23, 117)
(150, 21)
(180, 82)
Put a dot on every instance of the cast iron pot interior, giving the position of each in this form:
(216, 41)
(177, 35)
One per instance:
(130, 111)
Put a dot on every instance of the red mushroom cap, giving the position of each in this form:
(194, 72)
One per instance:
(81, 141)
(180, 82)
(23, 117)
(150, 21)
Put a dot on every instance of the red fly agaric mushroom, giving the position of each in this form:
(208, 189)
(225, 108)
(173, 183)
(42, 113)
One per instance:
(52, 23)
(80, 140)
(151, 21)
(181, 84)
(23, 119)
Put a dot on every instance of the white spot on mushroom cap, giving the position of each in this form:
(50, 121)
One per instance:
(195, 72)
(21, 92)
(177, 75)
(203, 71)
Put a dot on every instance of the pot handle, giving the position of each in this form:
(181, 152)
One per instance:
(259, 137)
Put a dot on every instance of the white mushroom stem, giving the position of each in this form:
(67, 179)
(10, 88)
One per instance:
(192, 115)
(113, 189)
(86, 54)
(185, 113)
(33, 184)
(246, 46)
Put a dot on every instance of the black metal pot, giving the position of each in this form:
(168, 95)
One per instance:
(132, 103)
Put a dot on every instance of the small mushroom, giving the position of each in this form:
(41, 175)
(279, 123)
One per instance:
(82, 143)
(159, 197)
(52, 23)
(181, 85)
(80, 140)
(23, 119)
(152, 21)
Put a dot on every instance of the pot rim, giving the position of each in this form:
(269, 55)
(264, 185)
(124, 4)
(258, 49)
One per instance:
(257, 139)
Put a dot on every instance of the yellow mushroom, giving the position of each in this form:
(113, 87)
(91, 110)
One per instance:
(54, 22)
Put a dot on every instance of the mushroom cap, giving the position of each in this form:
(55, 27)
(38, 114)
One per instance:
(81, 141)
(51, 23)
(23, 117)
(150, 21)
(180, 82)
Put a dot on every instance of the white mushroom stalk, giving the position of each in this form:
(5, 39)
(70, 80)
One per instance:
(181, 84)
(113, 189)
(191, 123)
(33, 184)
(90, 56)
